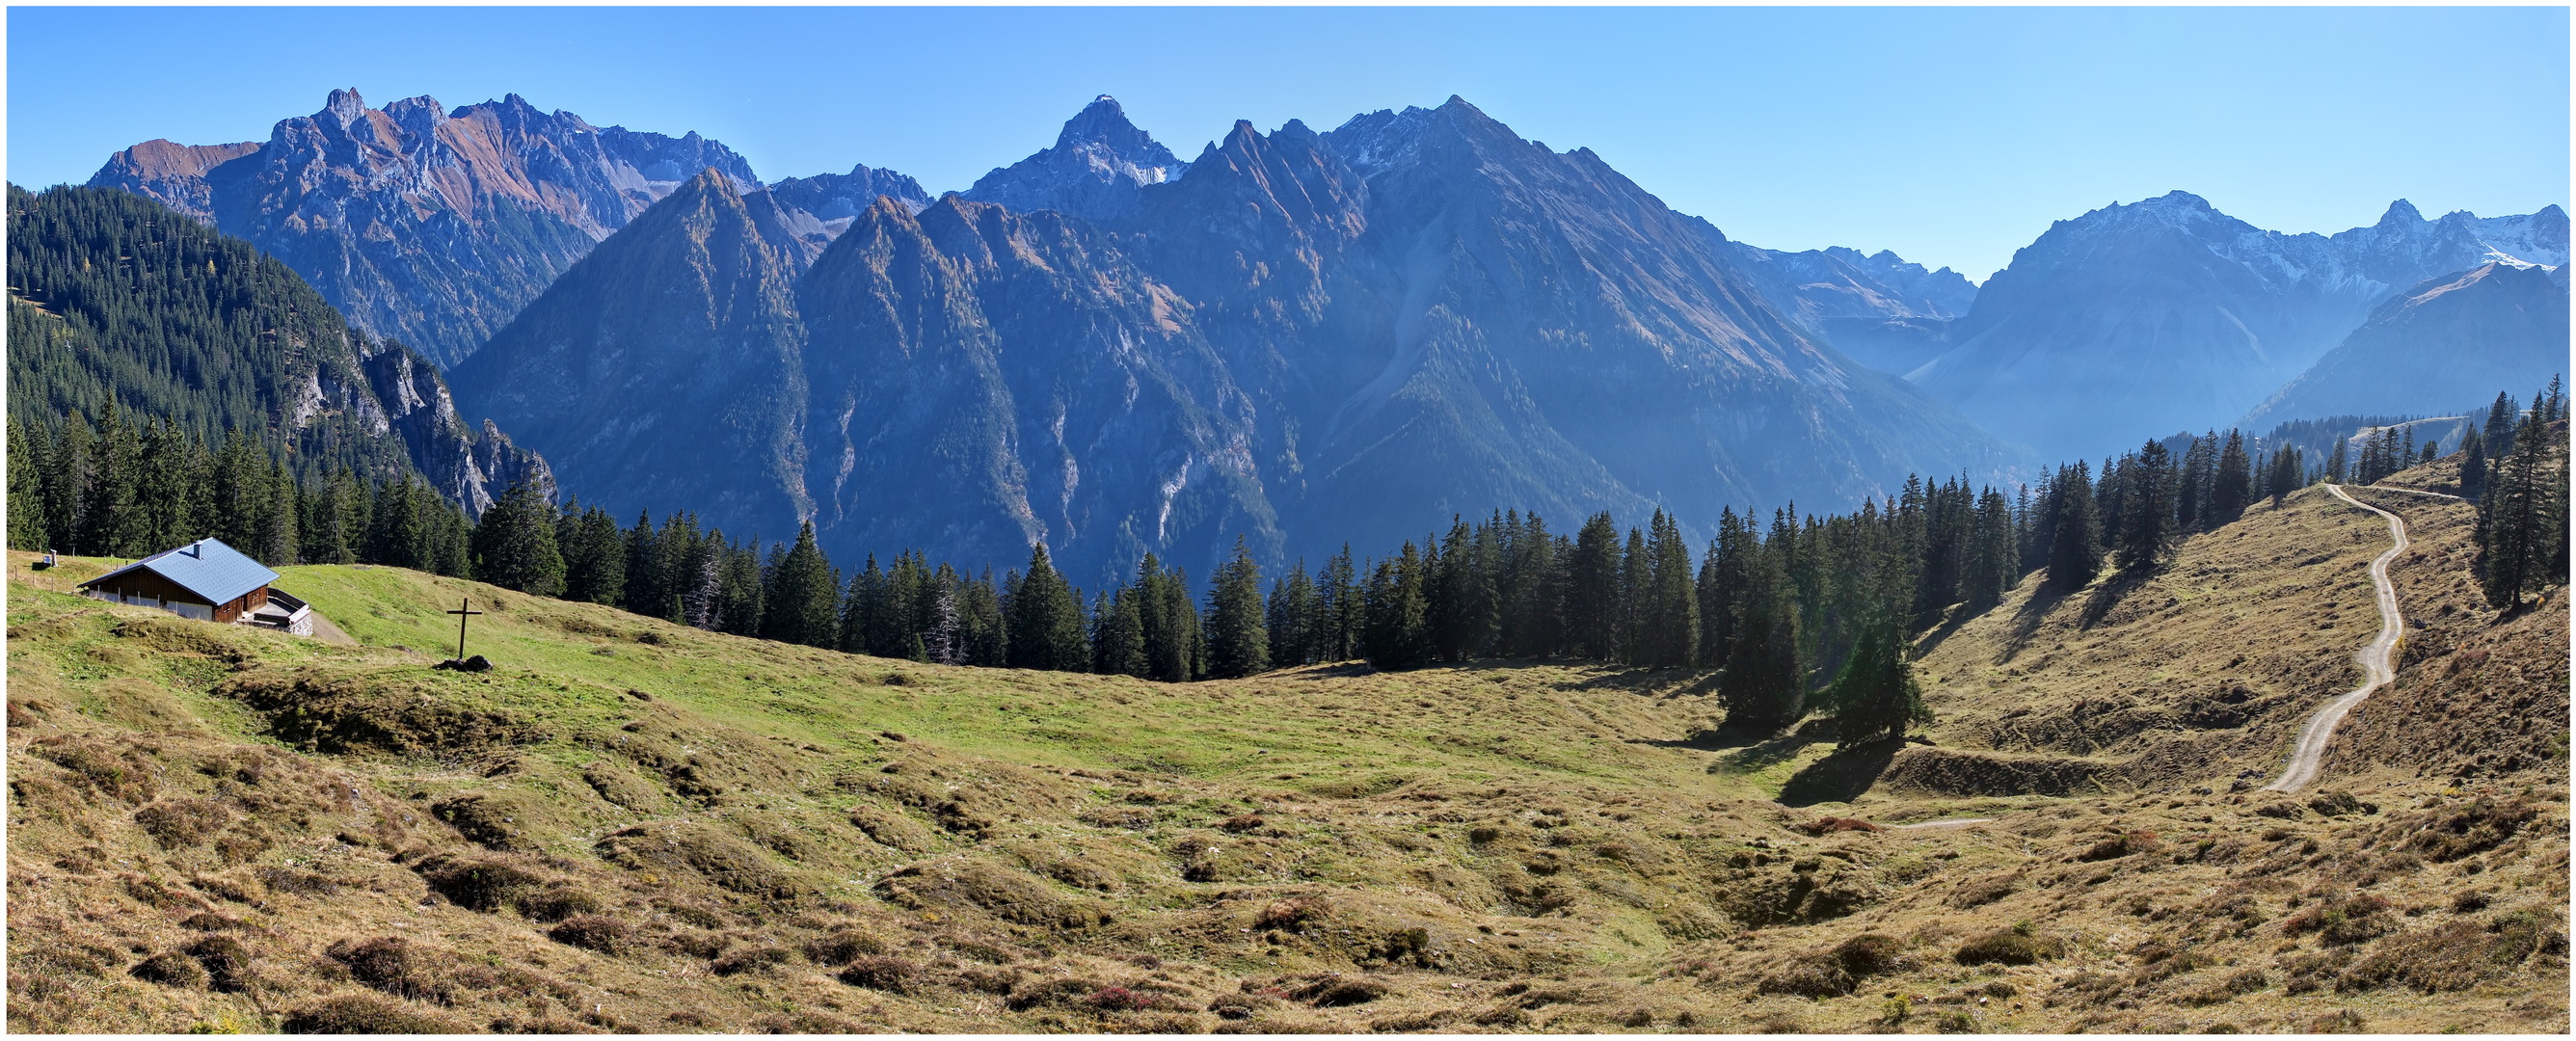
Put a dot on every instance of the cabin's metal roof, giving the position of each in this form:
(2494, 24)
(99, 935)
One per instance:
(205, 567)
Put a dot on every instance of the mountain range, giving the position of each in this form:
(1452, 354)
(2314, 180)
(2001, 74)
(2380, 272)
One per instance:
(1297, 337)
(434, 227)
(2448, 341)
(2166, 315)
(1303, 339)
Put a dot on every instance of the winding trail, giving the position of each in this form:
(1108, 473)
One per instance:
(2376, 659)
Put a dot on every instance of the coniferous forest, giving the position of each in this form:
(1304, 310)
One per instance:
(1801, 612)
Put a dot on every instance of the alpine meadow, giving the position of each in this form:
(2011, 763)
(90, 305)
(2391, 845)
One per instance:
(480, 570)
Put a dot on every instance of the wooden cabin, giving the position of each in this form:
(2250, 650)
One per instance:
(208, 581)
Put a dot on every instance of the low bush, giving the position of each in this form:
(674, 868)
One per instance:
(2009, 947)
(182, 823)
(883, 972)
(171, 969)
(747, 959)
(592, 932)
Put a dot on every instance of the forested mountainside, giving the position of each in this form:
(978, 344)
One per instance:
(2168, 315)
(2448, 340)
(115, 300)
(435, 227)
(1306, 339)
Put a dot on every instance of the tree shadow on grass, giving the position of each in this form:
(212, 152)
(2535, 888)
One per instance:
(2107, 595)
(1755, 748)
(2026, 619)
(1842, 776)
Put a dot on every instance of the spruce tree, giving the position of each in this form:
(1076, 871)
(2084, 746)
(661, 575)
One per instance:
(1875, 695)
(1396, 633)
(2473, 464)
(2501, 418)
(1668, 619)
(2232, 487)
(1764, 685)
(26, 487)
(1238, 640)
(1046, 624)
(802, 595)
(2075, 546)
(1340, 608)
(2148, 502)
(1592, 590)
(1119, 636)
(513, 544)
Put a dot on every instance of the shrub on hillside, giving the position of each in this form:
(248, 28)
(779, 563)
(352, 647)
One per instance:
(2015, 946)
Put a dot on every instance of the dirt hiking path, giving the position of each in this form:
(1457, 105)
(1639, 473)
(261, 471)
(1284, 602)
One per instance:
(2375, 659)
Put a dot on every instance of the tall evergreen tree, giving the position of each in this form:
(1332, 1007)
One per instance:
(2075, 546)
(802, 595)
(2148, 502)
(1668, 605)
(1396, 633)
(2232, 486)
(1765, 682)
(1875, 695)
(1046, 623)
(514, 544)
(1238, 640)
(1592, 590)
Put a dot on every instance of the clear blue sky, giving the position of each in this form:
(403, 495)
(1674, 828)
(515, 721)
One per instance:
(1952, 136)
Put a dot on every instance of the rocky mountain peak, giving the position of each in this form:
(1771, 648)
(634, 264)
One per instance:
(2399, 213)
(342, 108)
(1095, 169)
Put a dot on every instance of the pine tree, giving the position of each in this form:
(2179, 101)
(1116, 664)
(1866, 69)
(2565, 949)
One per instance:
(2473, 464)
(801, 596)
(1341, 608)
(514, 544)
(1875, 695)
(1238, 639)
(2501, 418)
(1668, 609)
(1764, 685)
(1396, 633)
(1592, 590)
(27, 511)
(2075, 546)
(2148, 502)
(2512, 547)
(2232, 488)
(1046, 623)
(1294, 624)
(2337, 466)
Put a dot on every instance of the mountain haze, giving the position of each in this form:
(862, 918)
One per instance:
(2167, 315)
(664, 368)
(1304, 339)
(2441, 346)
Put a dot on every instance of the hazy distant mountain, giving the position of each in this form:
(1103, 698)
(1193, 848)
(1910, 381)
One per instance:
(1878, 308)
(665, 369)
(435, 227)
(2445, 344)
(1307, 339)
(2167, 315)
(116, 298)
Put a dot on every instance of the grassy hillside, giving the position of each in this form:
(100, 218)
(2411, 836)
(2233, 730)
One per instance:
(628, 825)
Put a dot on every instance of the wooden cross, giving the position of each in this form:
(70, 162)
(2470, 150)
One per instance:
(461, 611)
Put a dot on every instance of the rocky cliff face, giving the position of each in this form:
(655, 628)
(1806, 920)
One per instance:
(2168, 315)
(984, 380)
(664, 370)
(2444, 345)
(1310, 338)
(436, 227)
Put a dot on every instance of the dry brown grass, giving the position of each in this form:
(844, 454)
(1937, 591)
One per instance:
(242, 832)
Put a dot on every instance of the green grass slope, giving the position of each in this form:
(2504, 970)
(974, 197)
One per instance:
(633, 826)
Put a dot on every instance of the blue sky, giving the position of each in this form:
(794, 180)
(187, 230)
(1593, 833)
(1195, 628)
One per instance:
(1952, 136)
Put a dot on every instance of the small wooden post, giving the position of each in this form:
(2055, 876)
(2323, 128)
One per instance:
(463, 609)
